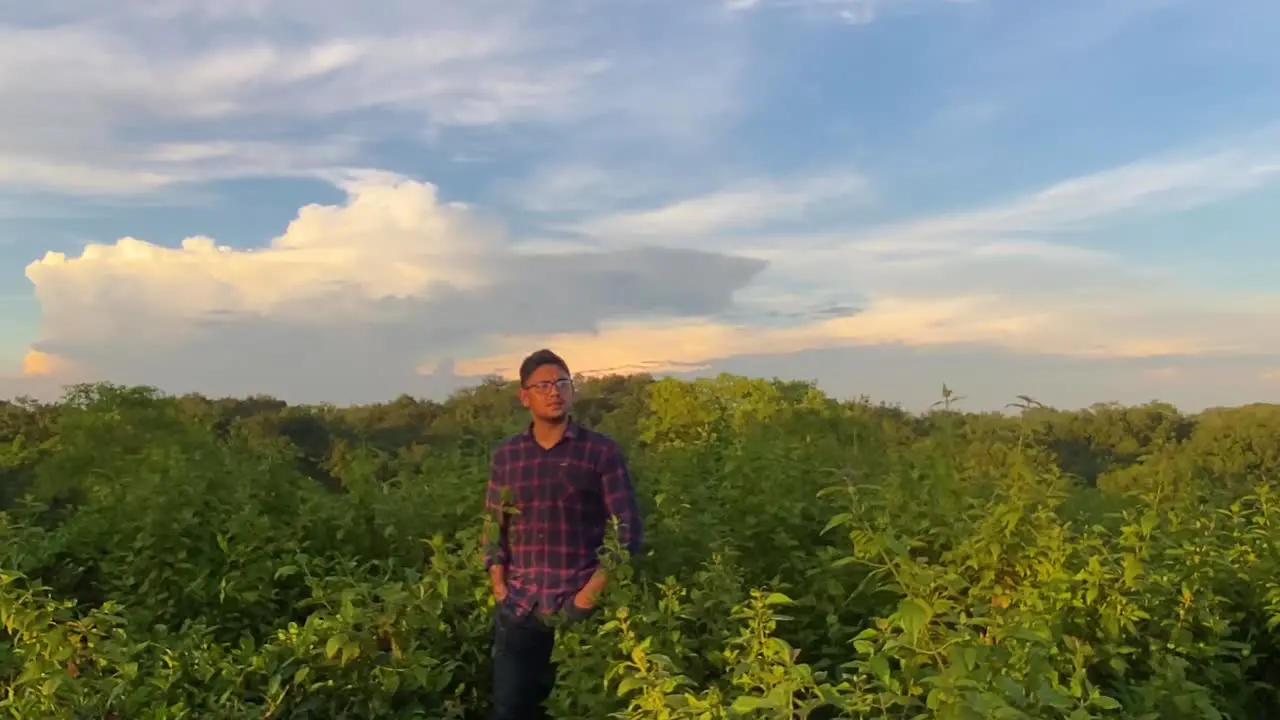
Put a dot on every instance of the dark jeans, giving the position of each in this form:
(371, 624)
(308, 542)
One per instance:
(523, 673)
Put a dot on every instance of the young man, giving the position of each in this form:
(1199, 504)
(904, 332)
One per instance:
(553, 489)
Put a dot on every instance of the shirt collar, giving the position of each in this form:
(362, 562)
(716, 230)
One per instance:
(572, 430)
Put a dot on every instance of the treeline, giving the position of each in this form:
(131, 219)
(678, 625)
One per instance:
(1108, 445)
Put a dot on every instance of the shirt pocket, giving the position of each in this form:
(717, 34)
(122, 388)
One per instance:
(577, 482)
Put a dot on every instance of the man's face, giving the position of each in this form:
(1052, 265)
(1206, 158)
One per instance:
(548, 393)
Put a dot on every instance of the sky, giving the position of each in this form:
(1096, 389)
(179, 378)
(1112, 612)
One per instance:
(334, 202)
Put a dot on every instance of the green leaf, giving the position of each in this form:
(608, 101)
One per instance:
(913, 615)
(745, 704)
(334, 645)
(1106, 703)
(1052, 697)
(836, 521)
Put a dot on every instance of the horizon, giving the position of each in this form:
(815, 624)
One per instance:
(1012, 408)
(323, 203)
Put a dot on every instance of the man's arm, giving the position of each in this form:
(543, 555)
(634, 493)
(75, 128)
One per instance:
(496, 552)
(620, 500)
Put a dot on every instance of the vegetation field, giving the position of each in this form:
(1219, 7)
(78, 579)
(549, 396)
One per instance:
(181, 557)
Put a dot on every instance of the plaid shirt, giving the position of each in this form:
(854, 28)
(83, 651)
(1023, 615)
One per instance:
(553, 508)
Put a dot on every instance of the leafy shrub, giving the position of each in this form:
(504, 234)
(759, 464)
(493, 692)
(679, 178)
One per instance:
(185, 558)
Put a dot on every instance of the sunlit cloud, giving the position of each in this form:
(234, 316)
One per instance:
(390, 279)
(40, 364)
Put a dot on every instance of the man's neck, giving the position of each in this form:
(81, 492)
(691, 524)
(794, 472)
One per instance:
(549, 432)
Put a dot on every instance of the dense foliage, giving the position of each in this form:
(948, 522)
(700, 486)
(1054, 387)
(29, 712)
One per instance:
(171, 557)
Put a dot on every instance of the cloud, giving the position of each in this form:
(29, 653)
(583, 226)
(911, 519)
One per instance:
(747, 204)
(104, 104)
(1005, 276)
(1014, 226)
(40, 364)
(137, 97)
(576, 187)
(397, 290)
(350, 302)
(938, 255)
(1150, 187)
(1016, 251)
(696, 343)
(1065, 329)
(852, 12)
(462, 68)
(114, 173)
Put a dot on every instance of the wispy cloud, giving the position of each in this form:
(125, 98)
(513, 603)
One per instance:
(1006, 275)
(931, 255)
(115, 172)
(852, 12)
(89, 110)
(577, 187)
(1039, 224)
(747, 204)
(1146, 187)
(132, 97)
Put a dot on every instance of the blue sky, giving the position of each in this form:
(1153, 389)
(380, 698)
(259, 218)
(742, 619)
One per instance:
(1072, 200)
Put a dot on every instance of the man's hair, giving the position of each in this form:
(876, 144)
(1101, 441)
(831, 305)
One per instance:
(537, 360)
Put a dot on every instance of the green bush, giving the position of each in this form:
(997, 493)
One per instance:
(190, 558)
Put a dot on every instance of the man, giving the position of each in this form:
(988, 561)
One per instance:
(553, 489)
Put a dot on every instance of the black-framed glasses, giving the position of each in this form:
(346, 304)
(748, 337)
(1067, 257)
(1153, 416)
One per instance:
(563, 385)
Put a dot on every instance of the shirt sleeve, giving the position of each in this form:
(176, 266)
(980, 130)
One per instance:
(496, 550)
(620, 499)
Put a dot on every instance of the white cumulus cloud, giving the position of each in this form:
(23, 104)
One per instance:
(350, 301)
